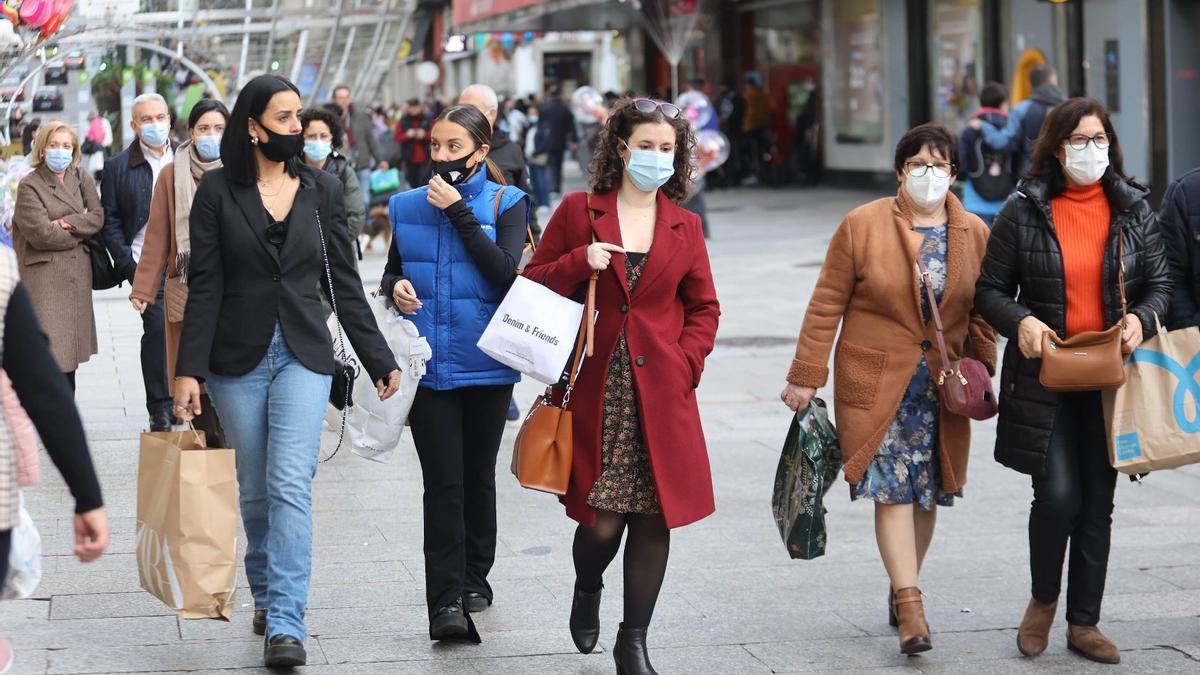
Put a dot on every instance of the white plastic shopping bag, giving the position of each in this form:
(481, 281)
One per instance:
(373, 427)
(24, 558)
(533, 331)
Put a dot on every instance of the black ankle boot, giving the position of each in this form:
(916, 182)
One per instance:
(629, 652)
(585, 619)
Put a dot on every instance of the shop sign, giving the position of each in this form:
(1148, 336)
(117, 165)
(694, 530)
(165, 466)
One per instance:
(467, 11)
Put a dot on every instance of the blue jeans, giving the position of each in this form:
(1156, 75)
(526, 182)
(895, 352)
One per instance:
(272, 416)
(364, 185)
(539, 179)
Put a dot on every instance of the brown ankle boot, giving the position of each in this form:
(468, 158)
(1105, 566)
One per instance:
(1034, 633)
(1090, 643)
(914, 630)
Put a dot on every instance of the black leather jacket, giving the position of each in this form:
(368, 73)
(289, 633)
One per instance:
(1179, 221)
(1022, 274)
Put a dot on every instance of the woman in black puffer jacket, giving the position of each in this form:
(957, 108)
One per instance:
(1054, 249)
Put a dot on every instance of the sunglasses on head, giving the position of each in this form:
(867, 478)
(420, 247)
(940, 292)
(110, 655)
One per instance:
(648, 105)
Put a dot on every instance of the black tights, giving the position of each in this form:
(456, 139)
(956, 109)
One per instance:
(646, 551)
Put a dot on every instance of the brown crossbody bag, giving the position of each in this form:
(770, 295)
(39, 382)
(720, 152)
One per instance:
(1089, 361)
(544, 447)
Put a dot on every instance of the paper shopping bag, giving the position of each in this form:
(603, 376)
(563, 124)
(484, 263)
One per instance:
(533, 331)
(187, 524)
(1154, 419)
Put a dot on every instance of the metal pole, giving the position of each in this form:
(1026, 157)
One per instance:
(241, 81)
(399, 39)
(346, 48)
(373, 51)
(333, 33)
(301, 47)
(271, 36)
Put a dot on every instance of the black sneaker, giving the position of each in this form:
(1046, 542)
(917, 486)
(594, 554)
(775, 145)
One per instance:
(284, 651)
(477, 602)
(260, 622)
(449, 623)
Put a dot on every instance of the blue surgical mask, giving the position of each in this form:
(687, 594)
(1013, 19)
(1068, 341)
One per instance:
(155, 134)
(317, 151)
(58, 159)
(209, 147)
(650, 169)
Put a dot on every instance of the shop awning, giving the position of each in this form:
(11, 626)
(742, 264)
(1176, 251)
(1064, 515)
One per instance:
(513, 16)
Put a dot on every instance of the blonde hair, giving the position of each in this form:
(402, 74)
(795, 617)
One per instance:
(42, 139)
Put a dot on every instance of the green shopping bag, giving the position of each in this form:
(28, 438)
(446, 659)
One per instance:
(808, 467)
(385, 181)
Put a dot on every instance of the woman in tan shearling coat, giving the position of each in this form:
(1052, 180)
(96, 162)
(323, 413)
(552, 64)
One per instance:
(901, 448)
(57, 209)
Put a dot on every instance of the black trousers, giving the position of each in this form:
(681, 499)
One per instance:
(5, 549)
(154, 356)
(1073, 503)
(555, 167)
(457, 434)
(416, 174)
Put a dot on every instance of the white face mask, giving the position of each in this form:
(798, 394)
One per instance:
(1085, 166)
(926, 191)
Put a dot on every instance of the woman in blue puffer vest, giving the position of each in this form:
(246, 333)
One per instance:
(455, 252)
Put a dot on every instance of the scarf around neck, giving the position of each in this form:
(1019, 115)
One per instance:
(189, 168)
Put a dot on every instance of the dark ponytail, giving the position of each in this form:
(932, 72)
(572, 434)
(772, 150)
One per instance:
(480, 130)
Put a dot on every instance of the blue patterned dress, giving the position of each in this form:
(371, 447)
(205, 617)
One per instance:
(906, 466)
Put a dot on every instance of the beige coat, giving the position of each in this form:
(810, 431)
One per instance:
(55, 266)
(869, 285)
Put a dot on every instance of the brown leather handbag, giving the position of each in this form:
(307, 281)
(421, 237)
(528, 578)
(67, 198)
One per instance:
(964, 384)
(544, 448)
(1090, 361)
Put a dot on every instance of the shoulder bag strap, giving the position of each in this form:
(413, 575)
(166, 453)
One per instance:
(584, 343)
(528, 229)
(329, 282)
(937, 320)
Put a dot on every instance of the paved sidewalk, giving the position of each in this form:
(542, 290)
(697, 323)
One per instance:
(733, 602)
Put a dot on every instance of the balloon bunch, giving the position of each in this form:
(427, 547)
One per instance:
(11, 173)
(42, 18)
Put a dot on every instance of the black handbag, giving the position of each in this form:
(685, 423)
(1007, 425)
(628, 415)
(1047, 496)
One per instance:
(345, 369)
(104, 274)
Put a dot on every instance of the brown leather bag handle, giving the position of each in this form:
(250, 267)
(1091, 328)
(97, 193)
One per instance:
(585, 342)
(937, 321)
(528, 228)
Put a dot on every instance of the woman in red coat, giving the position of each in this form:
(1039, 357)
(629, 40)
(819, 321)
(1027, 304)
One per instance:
(657, 321)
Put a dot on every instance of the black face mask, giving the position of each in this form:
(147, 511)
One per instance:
(455, 171)
(280, 147)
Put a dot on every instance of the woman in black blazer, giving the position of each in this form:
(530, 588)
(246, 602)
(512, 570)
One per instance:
(263, 229)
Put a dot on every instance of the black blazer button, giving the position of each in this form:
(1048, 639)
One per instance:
(274, 277)
(624, 309)
(641, 361)
(925, 345)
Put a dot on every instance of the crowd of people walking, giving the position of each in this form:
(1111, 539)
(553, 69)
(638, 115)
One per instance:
(242, 240)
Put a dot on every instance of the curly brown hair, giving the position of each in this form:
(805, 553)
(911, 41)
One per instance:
(608, 168)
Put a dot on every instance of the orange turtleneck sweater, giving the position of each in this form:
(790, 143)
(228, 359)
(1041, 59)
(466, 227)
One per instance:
(1081, 221)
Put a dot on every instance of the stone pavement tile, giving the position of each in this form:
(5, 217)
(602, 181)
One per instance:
(459, 667)
(72, 583)
(29, 661)
(1153, 660)
(84, 632)
(725, 659)
(595, 663)
(1183, 576)
(1151, 632)
(367, 649)
(386, 621)
(802, 653)
(101, 605)
(19, 611)
(1161, 605)
(187, 657)
(332, 572)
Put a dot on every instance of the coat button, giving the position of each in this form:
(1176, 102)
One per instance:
(624, 309)
(274, 277)
(641, 360)
(925, 345)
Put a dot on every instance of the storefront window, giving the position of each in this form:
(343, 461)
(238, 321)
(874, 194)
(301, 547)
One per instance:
(857, 86)
(957, 60)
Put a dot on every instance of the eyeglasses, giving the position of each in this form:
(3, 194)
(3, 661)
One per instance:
(1080, 141)
(919, 169)
(648, 105)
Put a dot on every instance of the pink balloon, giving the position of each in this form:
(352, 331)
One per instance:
(36, 12)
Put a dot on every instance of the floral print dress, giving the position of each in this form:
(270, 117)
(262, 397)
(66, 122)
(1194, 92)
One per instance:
(906, 466)
(626, 484)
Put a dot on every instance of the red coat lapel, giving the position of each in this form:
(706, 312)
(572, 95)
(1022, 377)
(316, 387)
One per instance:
(668, 239)
(608, 229)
